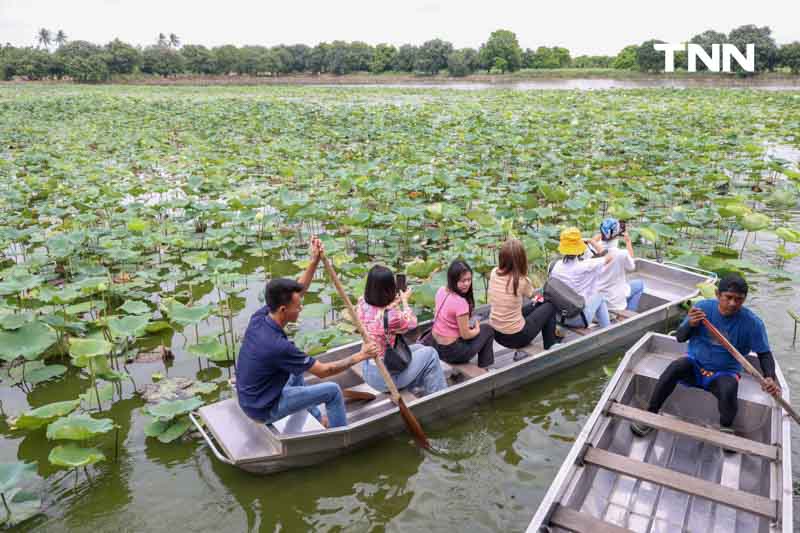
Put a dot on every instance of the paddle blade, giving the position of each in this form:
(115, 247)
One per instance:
(413, 425)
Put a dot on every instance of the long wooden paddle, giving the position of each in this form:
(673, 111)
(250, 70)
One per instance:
(412, 424)
(750, 369)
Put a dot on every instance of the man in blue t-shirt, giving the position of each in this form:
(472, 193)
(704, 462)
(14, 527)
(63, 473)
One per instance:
(708, 364)
(269, 371)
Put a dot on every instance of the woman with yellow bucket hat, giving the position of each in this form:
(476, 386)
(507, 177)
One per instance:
(582, 276)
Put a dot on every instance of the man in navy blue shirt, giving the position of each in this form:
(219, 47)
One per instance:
(708, 364)
(269, 371)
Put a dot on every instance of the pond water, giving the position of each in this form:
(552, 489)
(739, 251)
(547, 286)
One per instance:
(589, 84)
(500, 456)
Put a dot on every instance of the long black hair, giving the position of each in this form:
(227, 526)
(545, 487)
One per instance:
(381, 288)
(454, 273)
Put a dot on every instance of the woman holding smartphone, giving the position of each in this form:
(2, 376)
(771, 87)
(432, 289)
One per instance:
(381, 297)
(455, 338)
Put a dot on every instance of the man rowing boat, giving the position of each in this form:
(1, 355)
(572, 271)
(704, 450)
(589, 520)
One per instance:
(269, 372)
(708, 364)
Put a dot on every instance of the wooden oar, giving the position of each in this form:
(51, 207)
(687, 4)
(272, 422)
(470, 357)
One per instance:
(750, 369)
(411, 421)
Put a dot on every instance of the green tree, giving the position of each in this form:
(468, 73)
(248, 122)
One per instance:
(766, 49)
(85, 62)
(432, 56)
(122, 57)
(648, 59)
(706, 39)
(405, 58)
(317, 61)
(29, 63)
(226, 58)
(338, 58)
(555, 57)
(44, 37)
(161, 60)
(789, 56)
(198, 59)
(626, 58)
(462, 62)
(382, 58)
(359, 56)
(61, 38)
(595, 61)
(502, 44)
(300, 54)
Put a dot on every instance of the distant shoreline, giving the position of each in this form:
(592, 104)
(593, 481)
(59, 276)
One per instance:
(364, 78)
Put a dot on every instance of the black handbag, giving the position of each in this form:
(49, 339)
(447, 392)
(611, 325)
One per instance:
(397, 357)
(567, 302)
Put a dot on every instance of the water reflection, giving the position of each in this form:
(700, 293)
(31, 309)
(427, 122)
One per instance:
(589, 84)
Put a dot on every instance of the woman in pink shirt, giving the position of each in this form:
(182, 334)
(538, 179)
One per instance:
(455, 339)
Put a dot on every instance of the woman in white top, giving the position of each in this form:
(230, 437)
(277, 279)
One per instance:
(620, 293)
(582, 276)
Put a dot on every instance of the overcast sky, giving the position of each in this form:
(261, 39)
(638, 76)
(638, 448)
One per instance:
(585, 27)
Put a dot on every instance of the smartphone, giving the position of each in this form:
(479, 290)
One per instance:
(400, 280)
(622, 227)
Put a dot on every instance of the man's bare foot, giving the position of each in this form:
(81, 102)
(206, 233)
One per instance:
(325, 422)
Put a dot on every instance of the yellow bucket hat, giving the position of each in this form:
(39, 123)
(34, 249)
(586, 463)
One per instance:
(571, 242)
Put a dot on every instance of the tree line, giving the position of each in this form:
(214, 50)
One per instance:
(83, 61)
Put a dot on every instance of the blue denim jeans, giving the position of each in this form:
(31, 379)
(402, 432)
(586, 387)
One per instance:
(595, 307)
(637, 288)
(296, 395)
(423, 371)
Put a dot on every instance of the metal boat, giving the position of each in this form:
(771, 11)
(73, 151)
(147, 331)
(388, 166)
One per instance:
(299, 440)
(684, 476)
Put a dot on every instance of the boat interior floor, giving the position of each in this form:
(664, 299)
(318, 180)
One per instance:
(678, 478)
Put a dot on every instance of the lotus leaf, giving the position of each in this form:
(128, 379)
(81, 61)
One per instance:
(788, 234)
(133, 307)
(88, 399)
(86, 348)
(73, 456)
(211, 349)
(78, 427)
(186, 316)
(315, 310)
(422, 269)
(129, 326)
(167, 432)
(755, 221)
(137, 225)
(23, 505)
(44, 415)
(167, 410)
(12, 474)
(16, 321)
(29, 341)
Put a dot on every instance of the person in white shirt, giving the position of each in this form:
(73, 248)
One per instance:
(620, 293)
(582, 276)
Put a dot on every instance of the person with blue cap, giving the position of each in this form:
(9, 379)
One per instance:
(620, 293)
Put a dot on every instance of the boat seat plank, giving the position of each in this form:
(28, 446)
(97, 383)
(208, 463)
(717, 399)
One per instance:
(407, 396)
(468, 370)
(694, 431)
(241, 438)
(298, 422)
(741, 500)
(623, 314)
(570, 519)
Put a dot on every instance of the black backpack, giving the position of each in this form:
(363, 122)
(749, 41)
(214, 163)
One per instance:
(567, 302)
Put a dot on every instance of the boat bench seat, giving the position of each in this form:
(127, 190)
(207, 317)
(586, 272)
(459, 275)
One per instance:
(467, 370)
(299, 422)
(241, 438)
(623, 314)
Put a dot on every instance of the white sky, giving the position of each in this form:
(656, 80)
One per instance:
(583, 26)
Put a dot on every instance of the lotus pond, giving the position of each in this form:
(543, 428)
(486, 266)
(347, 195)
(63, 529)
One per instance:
(138, 225)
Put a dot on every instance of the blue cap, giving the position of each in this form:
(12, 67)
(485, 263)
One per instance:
(609, 229)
